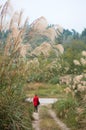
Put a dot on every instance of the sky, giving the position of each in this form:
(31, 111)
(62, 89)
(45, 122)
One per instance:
(70, 14)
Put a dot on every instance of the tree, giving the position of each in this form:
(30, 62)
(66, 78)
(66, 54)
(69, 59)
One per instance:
(83, 35)
(75, 34)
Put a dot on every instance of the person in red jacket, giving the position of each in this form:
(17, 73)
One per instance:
(36, 103)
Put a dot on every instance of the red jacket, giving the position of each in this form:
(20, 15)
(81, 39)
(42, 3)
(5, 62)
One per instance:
(35, 100)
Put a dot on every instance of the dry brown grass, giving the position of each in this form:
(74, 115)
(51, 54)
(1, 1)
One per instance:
(14, 39)
(14, 113)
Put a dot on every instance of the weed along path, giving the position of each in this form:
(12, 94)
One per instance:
(45, 118)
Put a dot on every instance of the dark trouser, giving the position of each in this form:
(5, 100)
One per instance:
(35, 108)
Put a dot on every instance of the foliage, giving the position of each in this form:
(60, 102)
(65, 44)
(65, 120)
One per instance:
(68, 36)
(15, 114)
(44, 89)
(73, 51)
(34, 37)
(54, 80)
(66, 109)
(83, 35)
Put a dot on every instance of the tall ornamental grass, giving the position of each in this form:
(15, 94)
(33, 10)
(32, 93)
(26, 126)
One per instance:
(15, 114)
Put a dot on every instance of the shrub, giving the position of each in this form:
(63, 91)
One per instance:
(66, 109)
(15, 114)
(54, 80)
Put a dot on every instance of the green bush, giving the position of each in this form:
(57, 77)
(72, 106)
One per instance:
(54, 80)
(15, 114)
(36, 77)
(71, 118)
(63, 105)
(66, 110)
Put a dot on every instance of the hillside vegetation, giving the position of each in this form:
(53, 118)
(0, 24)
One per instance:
(49, 55)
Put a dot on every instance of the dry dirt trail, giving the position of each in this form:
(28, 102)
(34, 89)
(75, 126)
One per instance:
(35, 123)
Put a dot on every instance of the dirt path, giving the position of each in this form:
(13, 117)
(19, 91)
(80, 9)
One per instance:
(35, 123)
(58, 121)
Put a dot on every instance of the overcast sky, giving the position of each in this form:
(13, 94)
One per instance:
(70, 14)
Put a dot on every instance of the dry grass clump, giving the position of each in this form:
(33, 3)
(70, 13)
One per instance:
(15, 114)
(15, 28)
